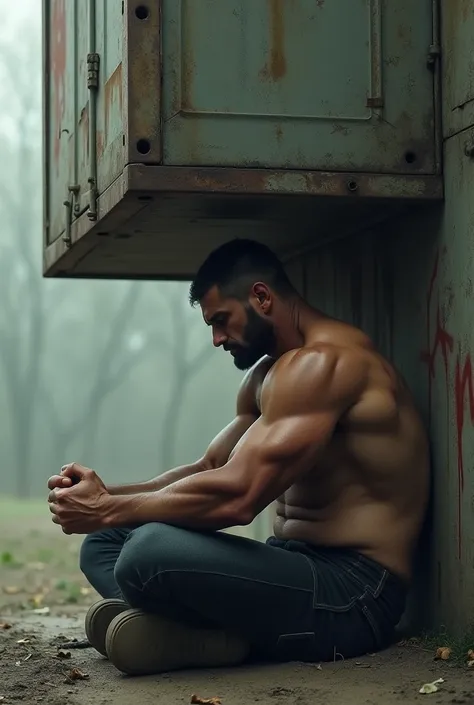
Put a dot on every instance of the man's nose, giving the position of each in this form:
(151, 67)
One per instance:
(218, 339)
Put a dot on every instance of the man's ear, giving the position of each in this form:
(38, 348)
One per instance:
(263, 295)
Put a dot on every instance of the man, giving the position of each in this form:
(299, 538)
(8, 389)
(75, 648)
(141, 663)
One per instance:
(326, 428)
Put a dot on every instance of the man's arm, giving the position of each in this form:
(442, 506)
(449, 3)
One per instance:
(303, 398)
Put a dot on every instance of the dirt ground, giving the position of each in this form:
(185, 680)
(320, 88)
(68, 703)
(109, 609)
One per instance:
(43, 599)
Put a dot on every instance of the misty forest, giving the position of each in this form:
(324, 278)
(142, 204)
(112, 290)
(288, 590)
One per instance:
(111, 374)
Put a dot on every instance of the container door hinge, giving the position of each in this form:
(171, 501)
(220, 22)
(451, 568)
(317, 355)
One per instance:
(93, 63)
(434, 54)
(72, 207)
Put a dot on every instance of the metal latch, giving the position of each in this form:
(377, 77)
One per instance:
(70, 208)
(93, 62)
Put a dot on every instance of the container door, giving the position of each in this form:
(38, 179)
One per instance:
(70, 35)
(338, 85)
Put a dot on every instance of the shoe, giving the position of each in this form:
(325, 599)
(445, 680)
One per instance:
(98, 618)
(140, 643)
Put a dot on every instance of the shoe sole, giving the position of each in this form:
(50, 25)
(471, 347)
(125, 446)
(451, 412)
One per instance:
(139, 643)
(98, 619)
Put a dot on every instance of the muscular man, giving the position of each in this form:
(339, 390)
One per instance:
(325, 428)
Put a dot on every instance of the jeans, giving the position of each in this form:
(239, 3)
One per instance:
(290, 600)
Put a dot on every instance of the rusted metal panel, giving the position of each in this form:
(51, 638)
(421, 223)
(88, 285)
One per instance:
(58, 17)
(84, 146)
(297, 87)
(283, 182)
(457, 18)
(142, 81)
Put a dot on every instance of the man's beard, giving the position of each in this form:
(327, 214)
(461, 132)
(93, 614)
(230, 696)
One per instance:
(258, 340)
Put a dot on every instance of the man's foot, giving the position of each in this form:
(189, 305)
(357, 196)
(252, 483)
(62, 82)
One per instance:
(98, 618)
(140, 643)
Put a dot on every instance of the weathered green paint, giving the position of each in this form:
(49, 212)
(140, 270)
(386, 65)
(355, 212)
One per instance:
(67, 157)
(277, 83)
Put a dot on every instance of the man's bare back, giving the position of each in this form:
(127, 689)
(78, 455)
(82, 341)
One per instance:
(369, 489)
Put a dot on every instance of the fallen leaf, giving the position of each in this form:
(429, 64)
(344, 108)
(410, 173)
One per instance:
(205, 701)
(5, 625)
(42, 610)
(23, 641)
(429, 688)
(37, 600)
(443, 653)
(11, 589)
(62, 653)
(76, 675)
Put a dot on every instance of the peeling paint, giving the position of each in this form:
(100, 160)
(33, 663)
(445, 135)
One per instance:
(276, 67)
(58, 69)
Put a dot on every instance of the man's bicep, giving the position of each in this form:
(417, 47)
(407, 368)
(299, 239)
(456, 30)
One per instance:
(223, 444)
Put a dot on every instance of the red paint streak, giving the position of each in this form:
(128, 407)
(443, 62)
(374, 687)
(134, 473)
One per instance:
(58, 69)
(463, 381)
(442, 339)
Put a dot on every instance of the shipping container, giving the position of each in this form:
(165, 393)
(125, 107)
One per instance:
(173, 125)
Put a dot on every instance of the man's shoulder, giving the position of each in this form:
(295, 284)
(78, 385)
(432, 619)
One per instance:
(319, 357)
(321, 369)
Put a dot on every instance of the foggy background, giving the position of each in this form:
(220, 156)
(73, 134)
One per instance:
(119, 376)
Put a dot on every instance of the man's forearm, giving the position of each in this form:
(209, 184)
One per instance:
(200, 502)
(158, 483)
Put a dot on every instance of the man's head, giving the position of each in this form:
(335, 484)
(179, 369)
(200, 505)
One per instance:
(239, 288)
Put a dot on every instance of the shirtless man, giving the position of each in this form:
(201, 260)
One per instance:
(326, 428)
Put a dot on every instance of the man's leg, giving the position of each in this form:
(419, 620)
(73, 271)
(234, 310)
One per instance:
(218, 580)
(99, 554)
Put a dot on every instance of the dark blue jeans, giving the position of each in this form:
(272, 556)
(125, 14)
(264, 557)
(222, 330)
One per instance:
(292, 601)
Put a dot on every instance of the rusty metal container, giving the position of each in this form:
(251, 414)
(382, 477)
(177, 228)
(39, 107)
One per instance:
(187, 122)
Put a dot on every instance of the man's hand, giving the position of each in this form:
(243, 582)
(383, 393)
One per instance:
(79, 508)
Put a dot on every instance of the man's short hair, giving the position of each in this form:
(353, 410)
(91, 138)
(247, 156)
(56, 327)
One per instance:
(235, 266)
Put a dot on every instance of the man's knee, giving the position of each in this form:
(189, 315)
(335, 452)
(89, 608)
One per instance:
(149, 550)
(89, 551)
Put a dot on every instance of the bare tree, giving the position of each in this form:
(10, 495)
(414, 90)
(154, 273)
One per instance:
(185, 362)
(23, 303)
(105, 368)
